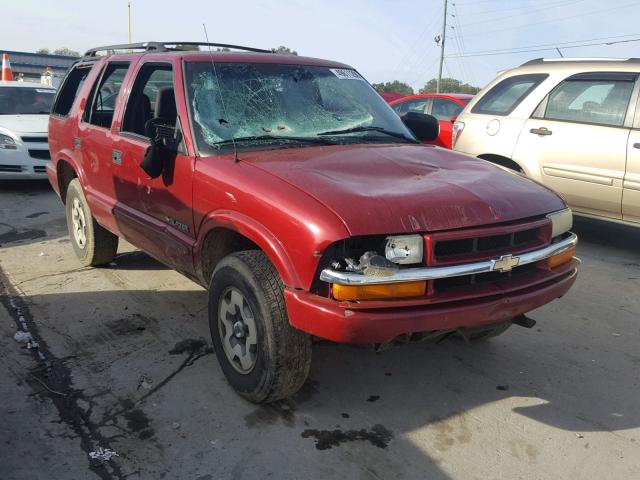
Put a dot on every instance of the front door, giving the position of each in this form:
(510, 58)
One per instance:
(578, 138)
(157, 215)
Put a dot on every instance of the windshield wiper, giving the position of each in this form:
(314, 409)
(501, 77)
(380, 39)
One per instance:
(371, 129)
(319, 141)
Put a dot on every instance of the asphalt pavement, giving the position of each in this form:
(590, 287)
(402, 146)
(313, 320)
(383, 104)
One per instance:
(118, 379)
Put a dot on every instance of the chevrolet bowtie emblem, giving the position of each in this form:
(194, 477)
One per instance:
(505, 263)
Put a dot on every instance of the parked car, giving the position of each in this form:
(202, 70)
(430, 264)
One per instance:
(293, 192)
(571, 124)
(390, 96)
(24, 115)
(445, 107)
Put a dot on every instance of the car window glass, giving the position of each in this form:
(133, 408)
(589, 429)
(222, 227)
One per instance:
(25, 100)
(103, 98)
(418, 105)
(444, 109)
(602, 102)
(151, 101)
(69, 90)
(504, 97)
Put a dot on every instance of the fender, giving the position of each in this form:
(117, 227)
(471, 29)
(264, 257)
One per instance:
(66, 155)
(254, 231)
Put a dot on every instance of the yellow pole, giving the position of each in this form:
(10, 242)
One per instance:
(129, 6)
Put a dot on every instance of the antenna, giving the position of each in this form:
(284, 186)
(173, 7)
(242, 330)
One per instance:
(224, 108)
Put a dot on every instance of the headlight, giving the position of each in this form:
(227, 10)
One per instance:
(404, 249)
(561, 222)
(7, 142)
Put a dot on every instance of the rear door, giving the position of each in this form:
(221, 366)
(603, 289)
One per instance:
(631, 185)
(95, 137)
(578, 138)
(157, 215)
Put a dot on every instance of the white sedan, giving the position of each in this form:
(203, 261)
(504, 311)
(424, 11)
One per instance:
(24, 117)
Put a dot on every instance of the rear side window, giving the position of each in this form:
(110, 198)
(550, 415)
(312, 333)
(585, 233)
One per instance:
(591, 99)
(504, 97)
(104, 95)
(69, 89)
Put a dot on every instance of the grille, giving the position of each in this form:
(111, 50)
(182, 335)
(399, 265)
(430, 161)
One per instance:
(34, 139)
(447, 284)
(10, 168)
(40, 169)
(41, 154)
(448, 249)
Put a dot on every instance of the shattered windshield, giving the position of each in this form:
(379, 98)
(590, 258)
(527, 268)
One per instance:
(284, 104)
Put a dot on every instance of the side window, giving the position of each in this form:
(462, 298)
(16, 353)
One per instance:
(69, 90)
(591, 100)
(505, 96)
(103, 97)
(445, 110)
(416, 105)
(152, 101)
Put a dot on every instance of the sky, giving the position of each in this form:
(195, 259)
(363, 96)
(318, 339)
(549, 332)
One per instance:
(384, 40)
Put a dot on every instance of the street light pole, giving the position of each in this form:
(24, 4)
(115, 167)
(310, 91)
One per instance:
(442, 40)
(129, 7)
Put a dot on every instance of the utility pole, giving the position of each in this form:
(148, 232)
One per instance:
(129, 7)
(442, 40)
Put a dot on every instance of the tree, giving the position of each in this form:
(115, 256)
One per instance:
(396, 87)
(284, 50)
(66, 52)
(449, 85)
(43, 51)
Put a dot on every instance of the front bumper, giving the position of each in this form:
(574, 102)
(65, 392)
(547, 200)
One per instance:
(435, 273)
(346, 323)
(18, 163)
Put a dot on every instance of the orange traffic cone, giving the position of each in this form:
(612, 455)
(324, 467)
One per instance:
(7, 74)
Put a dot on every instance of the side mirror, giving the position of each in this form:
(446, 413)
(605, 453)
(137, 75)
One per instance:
(454, 118)
(424, 127)
(165, 140)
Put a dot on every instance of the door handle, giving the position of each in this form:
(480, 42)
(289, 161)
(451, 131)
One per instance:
(636, 145)
(543, 131)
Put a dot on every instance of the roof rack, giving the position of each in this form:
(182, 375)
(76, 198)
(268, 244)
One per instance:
(539, 61)
(163, 47)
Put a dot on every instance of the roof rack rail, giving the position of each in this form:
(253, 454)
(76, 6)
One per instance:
(539, 61)
(164, 47)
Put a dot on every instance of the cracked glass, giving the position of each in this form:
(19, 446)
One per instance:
(234, 101)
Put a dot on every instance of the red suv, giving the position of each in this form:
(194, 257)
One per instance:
(307, 207)
(444, 106)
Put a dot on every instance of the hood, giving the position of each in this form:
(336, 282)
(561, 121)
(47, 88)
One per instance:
(378, 189)
(25, 123)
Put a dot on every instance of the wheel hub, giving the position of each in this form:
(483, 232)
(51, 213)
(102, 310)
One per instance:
(79, 224)
(238, 331)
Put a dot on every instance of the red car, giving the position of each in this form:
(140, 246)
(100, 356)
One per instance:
(289, 189)
(444, 106)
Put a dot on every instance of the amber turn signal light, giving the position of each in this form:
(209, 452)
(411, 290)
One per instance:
(561, 258)
(378, 292)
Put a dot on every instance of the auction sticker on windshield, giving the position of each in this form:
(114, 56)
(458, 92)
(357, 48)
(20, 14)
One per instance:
(346, 74)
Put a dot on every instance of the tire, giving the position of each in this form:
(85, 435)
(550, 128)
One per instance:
(481, 334)
(262, 356)
(92, 244)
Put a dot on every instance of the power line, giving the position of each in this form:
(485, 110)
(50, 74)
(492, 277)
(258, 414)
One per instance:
(552, 3)
(553, 20)
(528, 12)
(527, 49)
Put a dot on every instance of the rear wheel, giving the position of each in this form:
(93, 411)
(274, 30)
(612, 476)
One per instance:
(92, 244)
(262, 356)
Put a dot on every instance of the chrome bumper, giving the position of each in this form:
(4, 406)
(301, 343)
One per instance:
(434, 273)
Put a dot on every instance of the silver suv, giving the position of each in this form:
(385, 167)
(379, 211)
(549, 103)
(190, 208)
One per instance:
(571, 124)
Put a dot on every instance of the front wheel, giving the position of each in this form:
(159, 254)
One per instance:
(262, 356)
